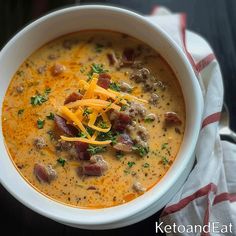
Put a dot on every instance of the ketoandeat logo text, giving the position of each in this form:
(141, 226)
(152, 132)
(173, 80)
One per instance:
(211, 227)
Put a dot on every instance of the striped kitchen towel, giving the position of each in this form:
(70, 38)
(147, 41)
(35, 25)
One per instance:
(208, 197)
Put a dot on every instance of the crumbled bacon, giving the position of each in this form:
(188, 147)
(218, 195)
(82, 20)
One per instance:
(172, 118)
(111, 58)
(62, 125)
(44, 173)
(96, 167)
(119, 120)
(57, 69)
(124, 143)
(81, 149)
(104, 80)
(128, 57)
(73, 97)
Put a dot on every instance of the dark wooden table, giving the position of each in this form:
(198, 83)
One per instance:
(213, 19)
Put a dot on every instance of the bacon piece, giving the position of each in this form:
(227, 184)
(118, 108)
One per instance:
(96, 167)
(81, 149)
(61, 124)
(73, 97)
(44, 173)
(111, 58)
(57, 69)
(124, 143)
(119, 120)
(104, 80)
(128, 57)
(172, 118)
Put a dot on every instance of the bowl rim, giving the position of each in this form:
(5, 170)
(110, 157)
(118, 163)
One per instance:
(189, 151)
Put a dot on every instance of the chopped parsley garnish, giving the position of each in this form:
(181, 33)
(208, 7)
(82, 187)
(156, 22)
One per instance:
(20, 112)
(47, 91)
(108, 136)
(114, 86)
(165, 161)
(90, 130)
(40, 123)
(146, 165)
(164, 146)
(99, 47)
(95, 149)
(103, 125)
(123, 107)
(87, 112)
(119, 154)
(130, 164)
(39, 99)
(148, 120)
(82, 135)
(50, 116)
(61, 161)
(96, 68)
(142, 151)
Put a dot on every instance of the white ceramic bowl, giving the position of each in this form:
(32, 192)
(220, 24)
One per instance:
(78, 18)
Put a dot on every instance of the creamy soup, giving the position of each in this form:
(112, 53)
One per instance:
(94, 119)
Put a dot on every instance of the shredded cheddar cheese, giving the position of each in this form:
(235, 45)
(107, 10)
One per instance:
(91, 110)
(85, 140)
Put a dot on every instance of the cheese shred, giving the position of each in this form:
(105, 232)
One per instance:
(90, 112)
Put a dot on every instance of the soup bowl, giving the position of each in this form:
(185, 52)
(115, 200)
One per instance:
(77, 18)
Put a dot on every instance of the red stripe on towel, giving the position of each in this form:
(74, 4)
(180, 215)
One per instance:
(185, 201)
(205, 62)
(211, 119)
(225, 197)
(218, 199)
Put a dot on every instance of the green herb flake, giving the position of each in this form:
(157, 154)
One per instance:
(148, 120)
(96, 68)
(61, 161)
(164, 146)
(99, 47)
(146, 165)
(39, 99)
(165, 161)
(40, 123)
(115, 86)
(82, 135)
(47, 91)
(50, 116)
(130, 164)
(20, 112)
(90, 131)
(123, 107)
(119, 155)
(95, 149)
(142, 151)
(108, 136)
(87, 112)
(102, 125)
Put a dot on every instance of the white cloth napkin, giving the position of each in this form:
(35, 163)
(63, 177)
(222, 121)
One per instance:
(209, 193)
